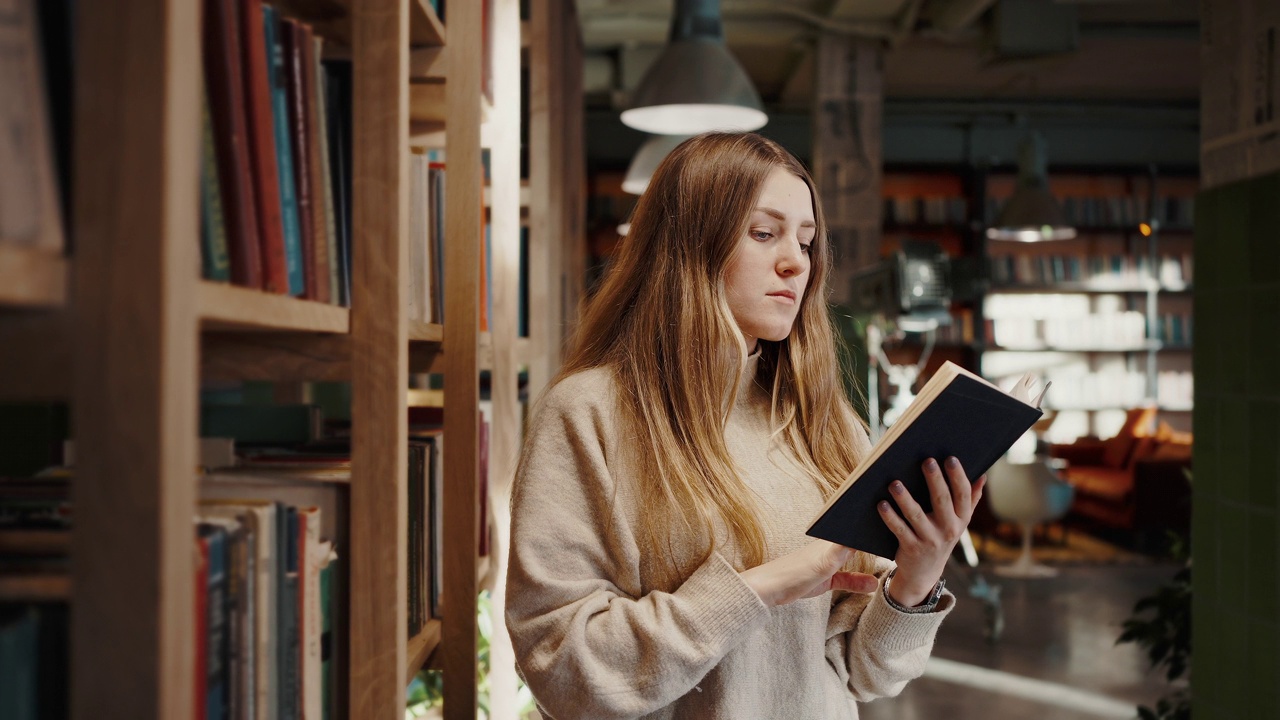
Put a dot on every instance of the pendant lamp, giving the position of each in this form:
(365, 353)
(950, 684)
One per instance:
(646, 160)
(695, 85)
(1032, 213)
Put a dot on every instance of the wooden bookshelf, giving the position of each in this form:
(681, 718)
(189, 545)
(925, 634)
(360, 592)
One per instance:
(32, 277)
(128, 331)
(227, 307)
(425, 28)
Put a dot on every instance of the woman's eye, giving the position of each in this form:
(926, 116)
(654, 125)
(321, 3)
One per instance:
(761, 234)
(806, 248)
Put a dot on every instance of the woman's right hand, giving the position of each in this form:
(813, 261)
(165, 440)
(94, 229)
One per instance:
(808, 572)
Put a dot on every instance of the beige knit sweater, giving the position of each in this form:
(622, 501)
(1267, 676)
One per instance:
(595, 639)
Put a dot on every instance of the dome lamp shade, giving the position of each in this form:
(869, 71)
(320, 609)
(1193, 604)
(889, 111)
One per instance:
(695, 85)
(1032, 213)
(646, 160)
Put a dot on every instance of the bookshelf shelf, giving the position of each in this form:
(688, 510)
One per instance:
(425, 332)
(1142, 347)
(35, 588)
(1104, 408)
(227, 307)
(32, 277)
(420, 648)
(272, 477)
(428, 106)
(425, 28)
(1089, 288)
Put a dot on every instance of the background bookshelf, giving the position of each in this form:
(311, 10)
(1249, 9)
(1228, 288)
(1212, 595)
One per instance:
(1106, 316)
(125, 332)
(1075, 311)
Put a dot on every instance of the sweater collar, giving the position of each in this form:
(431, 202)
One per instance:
(748, 389)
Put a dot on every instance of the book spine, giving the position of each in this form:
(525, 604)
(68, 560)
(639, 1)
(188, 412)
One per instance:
(338, 111)
(275, 274)
(245, 573)
(309, 571)
(213, 238)
(327, 664)
(277, 79)
(287, 628)
(217, 627)
(200, 628)
(224, 80)
(290, 43)
(321, 86)
(310, 96)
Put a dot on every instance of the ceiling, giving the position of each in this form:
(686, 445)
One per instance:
(1110, 51)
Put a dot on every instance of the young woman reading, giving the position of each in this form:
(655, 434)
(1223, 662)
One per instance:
(659, 566)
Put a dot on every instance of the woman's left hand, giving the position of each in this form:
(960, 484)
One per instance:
(925, 540)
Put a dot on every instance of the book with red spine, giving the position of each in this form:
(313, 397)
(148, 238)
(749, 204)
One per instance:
(224, 78)
(262, 147)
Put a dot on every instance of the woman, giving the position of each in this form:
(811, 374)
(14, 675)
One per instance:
(659, 565)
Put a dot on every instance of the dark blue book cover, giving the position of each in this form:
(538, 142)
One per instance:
(276, 78)
(956, 414)
(287, 697)
(217, 628)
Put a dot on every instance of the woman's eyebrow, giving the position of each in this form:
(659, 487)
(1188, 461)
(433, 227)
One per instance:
(783, 216)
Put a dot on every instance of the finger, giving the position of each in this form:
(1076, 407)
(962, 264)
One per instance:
(919, 520)
(899, 527)
(961, 489)
(830, 556)
(939, 491)
(978, 486)
(855, 582)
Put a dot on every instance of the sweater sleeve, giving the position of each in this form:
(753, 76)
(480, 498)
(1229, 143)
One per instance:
(587, 641)
(876, 649)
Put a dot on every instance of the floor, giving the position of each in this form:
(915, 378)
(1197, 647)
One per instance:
(1056, 660)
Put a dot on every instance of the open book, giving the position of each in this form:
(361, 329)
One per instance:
(956, 413)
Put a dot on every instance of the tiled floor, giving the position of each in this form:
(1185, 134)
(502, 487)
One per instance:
(1057, 659)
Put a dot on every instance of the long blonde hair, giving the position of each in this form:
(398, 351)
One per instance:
(660, 321)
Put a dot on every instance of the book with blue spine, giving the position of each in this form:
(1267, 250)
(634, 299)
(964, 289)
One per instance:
(276, 78)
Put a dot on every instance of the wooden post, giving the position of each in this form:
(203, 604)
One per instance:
(137, 95)
(461, 380)
(504, 435)
(847, 126)
(557, 182)
(378, 554)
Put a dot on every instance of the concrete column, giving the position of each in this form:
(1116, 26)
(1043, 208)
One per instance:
(848, 109)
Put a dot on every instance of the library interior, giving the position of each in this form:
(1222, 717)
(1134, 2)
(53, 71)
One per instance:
(260, 258)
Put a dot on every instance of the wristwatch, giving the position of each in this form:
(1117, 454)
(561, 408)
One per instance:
(927, 606)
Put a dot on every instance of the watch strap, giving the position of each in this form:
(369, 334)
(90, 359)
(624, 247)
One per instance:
(929, 604)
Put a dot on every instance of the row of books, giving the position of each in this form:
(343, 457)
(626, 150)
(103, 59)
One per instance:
(264, 601)
(1173, 271)
(276, 158)
(284, 441)
(1121, 212)
(1116, 389)
(35, 547)
(959, 331)
(1174, 329)
(928, 210)
(427, 209)
(1113, 331)
(1122, 330)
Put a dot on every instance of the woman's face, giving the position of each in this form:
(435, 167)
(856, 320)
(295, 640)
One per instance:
(766, 279)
